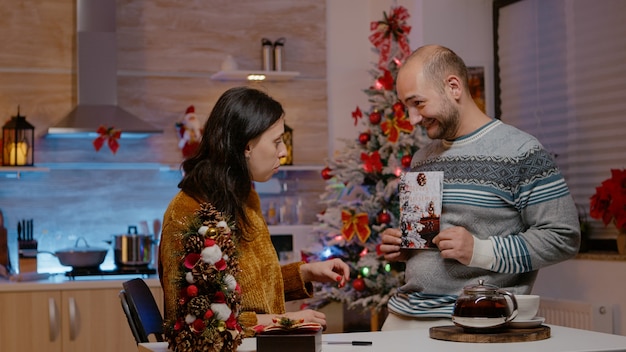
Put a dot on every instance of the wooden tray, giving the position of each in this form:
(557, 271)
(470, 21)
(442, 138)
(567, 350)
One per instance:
(457, 334)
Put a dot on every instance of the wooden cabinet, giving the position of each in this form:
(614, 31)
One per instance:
(30, 321)
(66, 320)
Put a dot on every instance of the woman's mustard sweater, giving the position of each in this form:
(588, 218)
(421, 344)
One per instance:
(265, 285)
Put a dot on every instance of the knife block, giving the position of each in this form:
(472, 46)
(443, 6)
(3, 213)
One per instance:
(27, 258)
(28, 265)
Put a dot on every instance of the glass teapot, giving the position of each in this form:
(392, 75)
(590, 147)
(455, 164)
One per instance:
(484, 307)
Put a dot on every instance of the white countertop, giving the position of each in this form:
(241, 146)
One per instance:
(62, 282)
(562, 339)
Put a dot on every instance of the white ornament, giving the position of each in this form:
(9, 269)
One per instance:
(189, 277)
(190, 318)
(211, 254)
(221, 310)
(202, 230)
(230, 282)
(224, 226)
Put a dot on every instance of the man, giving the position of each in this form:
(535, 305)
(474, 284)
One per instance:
(506, 210)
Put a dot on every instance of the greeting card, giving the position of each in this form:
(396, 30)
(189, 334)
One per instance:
(421, 193)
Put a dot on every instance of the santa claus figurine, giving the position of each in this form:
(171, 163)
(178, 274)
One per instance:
(190, 132)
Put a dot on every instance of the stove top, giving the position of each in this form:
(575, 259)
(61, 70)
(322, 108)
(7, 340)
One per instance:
(143, 270)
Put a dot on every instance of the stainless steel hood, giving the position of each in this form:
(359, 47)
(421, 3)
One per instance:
(97, 78)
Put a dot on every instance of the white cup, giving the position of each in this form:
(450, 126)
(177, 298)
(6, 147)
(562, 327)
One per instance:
(527, 307)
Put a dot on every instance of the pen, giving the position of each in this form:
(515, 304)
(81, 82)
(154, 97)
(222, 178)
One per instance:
(353, 343)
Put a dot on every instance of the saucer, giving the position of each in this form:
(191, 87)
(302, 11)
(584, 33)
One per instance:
(527, 323)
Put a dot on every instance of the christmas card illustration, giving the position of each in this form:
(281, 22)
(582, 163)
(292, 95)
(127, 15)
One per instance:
(420, 208)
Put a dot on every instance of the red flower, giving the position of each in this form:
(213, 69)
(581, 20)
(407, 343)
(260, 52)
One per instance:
(191, 259)
(220, 265)
(179, 324)
(609, 201)
(231, 322)
(219, 297)
(198, 326)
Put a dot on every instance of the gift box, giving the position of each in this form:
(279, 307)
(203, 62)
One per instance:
(309, 342)
(287, 335)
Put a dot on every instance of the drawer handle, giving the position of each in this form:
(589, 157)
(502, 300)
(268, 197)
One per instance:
(72, 311)
(53, 319)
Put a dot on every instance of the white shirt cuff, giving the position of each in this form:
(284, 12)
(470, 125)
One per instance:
(483, 256)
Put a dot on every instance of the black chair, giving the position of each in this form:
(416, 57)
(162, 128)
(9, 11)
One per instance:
(141, 310)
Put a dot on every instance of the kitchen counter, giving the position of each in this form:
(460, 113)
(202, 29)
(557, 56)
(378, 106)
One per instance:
(62, 282)
(562, 339)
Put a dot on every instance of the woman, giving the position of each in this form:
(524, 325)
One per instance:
(242, 142)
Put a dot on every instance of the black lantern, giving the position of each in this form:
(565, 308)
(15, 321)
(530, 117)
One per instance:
(18, 142)
(288, 140)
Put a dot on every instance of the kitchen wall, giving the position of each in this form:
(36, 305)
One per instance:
(167, 52)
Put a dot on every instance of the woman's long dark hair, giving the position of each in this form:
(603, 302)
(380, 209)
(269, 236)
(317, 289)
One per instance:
(218, 172)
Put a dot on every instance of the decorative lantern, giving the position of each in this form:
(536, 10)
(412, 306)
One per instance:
(18, 142)
(288, 140)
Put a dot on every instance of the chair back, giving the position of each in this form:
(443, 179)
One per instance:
(141, 310)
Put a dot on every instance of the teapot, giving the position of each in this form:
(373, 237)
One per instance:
(484, 307)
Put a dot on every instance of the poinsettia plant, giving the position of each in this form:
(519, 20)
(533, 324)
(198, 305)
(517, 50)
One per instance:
(609, 201)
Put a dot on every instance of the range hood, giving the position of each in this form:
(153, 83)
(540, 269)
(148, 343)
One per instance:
(96, 80)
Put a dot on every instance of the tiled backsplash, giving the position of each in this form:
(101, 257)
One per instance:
(66, 204)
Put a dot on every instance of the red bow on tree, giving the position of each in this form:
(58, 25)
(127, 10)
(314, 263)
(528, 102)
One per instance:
(399, 122)
(385, 81)
(394, 26)
(372, 162)
(110, 135)
(357, 114)
(355, 224)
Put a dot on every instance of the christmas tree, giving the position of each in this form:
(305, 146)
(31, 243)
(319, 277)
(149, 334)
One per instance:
(361, 193)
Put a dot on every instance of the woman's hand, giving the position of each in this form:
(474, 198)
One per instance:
(326, 271)
(307, 316)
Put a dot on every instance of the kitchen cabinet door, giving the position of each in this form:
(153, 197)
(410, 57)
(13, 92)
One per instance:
(30, 321)
(93, 321)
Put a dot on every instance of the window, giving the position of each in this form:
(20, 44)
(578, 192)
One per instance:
(560, 74)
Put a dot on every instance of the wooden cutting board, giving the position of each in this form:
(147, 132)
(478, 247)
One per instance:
(457, 334)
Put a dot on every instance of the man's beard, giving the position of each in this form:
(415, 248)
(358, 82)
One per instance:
(449, 120)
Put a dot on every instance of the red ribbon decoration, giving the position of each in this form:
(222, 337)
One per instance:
(355, 224)
(394, 26)
(372, 162)
(356, 115)
(385, 81)
(396, 124)
(110, 135)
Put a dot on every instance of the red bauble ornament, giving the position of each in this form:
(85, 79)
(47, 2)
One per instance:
(375, 117)
(192, 290)
(364, 138)
(406, 160)
(326, 173)
(358, 284)
(384, 217)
